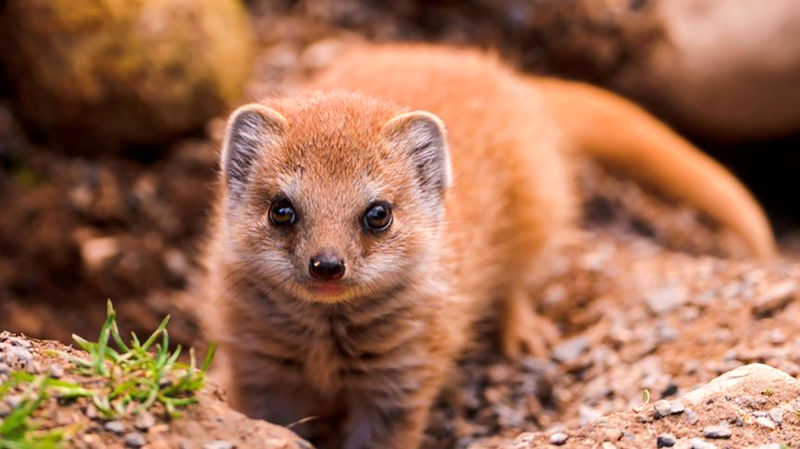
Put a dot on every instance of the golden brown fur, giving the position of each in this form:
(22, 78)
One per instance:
(375, 349)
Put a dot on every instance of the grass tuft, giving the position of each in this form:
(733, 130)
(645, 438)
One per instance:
(119, 378)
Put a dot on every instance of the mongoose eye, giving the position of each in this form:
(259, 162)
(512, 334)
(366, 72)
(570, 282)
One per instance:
(282, 213)
(378, 216)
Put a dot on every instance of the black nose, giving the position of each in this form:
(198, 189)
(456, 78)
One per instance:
(326, 266)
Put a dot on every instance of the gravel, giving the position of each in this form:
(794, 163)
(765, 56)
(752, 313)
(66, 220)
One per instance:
(719, 432)
(135, 439)
(666, 440)
(558, 438)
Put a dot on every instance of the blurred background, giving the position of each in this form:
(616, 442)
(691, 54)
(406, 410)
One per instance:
(111, 112)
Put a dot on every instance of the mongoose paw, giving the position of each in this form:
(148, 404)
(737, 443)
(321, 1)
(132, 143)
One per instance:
(527, 332)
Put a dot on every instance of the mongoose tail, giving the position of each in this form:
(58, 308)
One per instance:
(622, 135)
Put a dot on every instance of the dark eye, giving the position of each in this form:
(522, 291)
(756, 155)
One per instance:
(281, 213)
(378, 216)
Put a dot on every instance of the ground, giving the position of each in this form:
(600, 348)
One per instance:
(645, 295)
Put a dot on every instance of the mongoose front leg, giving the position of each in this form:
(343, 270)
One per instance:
(523, 328)
(373, 427)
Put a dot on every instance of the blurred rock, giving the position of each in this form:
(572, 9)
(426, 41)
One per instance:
(98, 76)
(725, 68)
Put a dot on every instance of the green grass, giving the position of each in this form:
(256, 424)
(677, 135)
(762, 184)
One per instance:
(120, 379)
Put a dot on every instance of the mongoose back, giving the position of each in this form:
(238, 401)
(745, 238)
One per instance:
(365, 225)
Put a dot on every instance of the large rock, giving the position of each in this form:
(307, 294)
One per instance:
(99, 75)
(728, 68)
(753, 406)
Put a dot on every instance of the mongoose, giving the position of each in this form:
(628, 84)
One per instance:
(364, 226)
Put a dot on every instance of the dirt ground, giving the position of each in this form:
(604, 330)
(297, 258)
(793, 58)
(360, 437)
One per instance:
(641, 296)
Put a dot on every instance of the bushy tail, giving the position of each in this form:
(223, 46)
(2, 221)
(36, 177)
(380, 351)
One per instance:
(622, 135)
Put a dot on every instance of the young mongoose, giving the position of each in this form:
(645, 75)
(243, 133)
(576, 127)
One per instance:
(357, 237)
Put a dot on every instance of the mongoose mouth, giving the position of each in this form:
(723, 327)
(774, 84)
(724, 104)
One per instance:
(326, 288)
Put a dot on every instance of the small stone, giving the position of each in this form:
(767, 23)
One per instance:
(776, 415)
(115, 427)
(524, 440)
(665, 408)
(607, 445)
(697, 443)
(776, 297)
(667, 298)
(55, 371)
(666, 440)
(14, 341)
(4, 369)
(588, 414)
(219, 444)
(34, 367)
(719, 432)
(570, 350)
(144, 421)
(18, 353)
(558, 438)
(135, 439)
(777, 337)
(613, 434)
(765, 422)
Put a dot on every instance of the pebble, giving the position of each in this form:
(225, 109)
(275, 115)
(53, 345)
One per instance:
(18, 353)
(570, 350)
(558, 438)
(55, 371)
(135, 439)
(144, 421)
(219, 444)
(607, 445)
(776, 415)
(665, 408)
(776, 297)
(717, 432)
(115, 426)
(14, 341)
(666, 440)
(765, 422)
(4, 368)
(697, 443)
(691, 417)
(667, 298)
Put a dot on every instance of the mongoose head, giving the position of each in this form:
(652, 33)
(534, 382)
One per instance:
(333, 196)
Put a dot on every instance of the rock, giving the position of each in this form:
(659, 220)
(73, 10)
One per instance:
(134, 439)
(697, 443)
(144, 421)
(776, 415)
(765, 422)
(667, 298)
(115, 427)
(558, 438)
(569, 350)
(666, 440)
(719, 432)
(608, 445)
(742, 380)
(55, 371)
(664, 408)
(101, 77)
(777, 297)
(97, 252)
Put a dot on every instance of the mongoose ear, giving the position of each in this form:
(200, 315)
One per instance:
(423, 137)
(252, 129)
